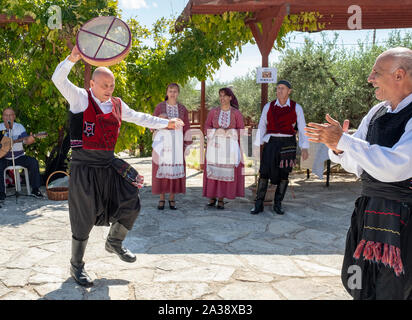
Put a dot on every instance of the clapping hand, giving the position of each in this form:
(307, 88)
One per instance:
(328, 133)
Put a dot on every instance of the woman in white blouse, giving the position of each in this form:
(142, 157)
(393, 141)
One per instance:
(223, 175)
(168, 163)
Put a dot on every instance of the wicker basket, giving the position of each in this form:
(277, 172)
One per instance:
(57, 193)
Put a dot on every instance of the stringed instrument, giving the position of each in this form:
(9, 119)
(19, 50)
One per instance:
(5, 142)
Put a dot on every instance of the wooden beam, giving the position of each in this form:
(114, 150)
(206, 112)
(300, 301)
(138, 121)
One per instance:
(376, 14)
(202, 105)
(271, 12)
(257, 34)
(266, 37)
(202, 123)
(184, 17)
(4, 19)
(213, 5)
(264, 87)
(87, 75)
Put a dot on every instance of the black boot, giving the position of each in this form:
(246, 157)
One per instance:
(77, 264)
(279, 195)
(114, 241)
(260, 196)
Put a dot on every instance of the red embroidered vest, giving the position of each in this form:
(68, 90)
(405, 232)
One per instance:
(281, 119)
(100, 131)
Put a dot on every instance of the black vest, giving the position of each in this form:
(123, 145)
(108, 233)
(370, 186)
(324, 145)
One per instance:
(76, 129)
(385, 129)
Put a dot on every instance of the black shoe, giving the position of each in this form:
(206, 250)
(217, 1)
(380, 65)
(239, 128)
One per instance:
(77, 264)
(37, 194)
(279, 195)
(257, 208)
(260, 195)
(80, 275)
(161, 205)
(114, 241)
(212, 202)
(2, 196)
(172, 207)
(277, 207)
(220, 205)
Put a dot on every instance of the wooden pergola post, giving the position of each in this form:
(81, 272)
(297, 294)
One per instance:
(265, 37)
(202, 120)
(202, 106)
(87, 75)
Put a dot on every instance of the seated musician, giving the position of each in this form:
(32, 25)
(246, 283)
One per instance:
(20, 159)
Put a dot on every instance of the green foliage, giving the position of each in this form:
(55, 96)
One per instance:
(189, 96)
(325, 78)
(328, 79)
(28, 56)
(159, 55)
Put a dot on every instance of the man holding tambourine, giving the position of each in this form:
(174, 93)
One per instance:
(103, 190)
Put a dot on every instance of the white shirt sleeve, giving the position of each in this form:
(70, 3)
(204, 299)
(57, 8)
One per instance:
(303, 140)
(77, 97)
(79, 101)
(142, 119)
(383, 163)
(261, 132)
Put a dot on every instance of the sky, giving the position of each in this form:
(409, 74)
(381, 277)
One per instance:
(148, 11)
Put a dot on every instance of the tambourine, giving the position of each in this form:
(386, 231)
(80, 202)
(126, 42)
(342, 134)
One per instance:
(104, 41)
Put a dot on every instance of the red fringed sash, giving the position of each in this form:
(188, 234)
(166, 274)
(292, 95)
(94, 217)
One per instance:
(381, 252)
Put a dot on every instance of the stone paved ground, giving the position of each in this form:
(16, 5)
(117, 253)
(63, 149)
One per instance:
(191, 253)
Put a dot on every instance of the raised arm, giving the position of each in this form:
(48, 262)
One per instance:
(77, 97)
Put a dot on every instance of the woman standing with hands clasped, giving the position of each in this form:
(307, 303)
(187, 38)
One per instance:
(223, 175)
(168, 162)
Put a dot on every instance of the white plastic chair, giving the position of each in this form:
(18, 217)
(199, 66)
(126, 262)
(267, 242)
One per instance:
(17, 178)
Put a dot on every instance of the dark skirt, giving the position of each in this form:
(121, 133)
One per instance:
(369, 280)
(277, 162)
(98, 195)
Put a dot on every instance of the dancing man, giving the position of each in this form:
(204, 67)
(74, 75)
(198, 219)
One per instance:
(378, 255)
(102, 188)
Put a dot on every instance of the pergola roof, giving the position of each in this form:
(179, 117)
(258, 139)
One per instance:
(376, 14)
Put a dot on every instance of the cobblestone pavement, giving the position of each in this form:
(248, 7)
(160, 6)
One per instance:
(190, 253)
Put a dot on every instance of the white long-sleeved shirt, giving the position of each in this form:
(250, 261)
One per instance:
(262, 136)
(383, 163)
(79, 101)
